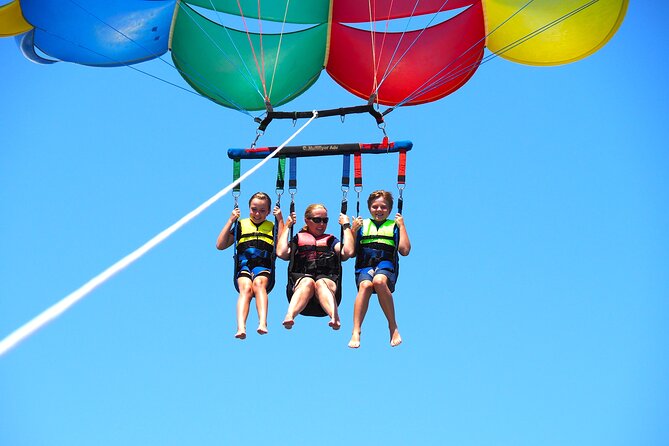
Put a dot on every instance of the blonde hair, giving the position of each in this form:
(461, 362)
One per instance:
(309, 211)
(387, 197)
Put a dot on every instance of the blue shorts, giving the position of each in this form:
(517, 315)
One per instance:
(368, 273)
(258, 271)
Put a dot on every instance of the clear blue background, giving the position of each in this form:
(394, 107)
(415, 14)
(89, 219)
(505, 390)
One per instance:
(533, 306)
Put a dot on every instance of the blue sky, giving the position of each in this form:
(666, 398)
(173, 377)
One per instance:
(533, 306)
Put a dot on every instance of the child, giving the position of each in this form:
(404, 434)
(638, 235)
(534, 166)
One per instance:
(377, 240)
(255, 247)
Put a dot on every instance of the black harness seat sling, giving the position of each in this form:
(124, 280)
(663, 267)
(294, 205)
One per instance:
(313, 257)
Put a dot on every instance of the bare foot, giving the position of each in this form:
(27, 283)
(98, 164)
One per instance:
(288, 323)
(241, 334)
(395, 338)
(335, 324)
(262, 329)
(355, 340)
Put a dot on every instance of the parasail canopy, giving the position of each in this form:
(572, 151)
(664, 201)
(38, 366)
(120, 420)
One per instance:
(258, 54)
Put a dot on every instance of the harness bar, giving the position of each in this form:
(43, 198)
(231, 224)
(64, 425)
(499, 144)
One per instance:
(322, 150)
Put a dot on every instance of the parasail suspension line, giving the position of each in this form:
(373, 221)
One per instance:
(68, 301)
(278, 50)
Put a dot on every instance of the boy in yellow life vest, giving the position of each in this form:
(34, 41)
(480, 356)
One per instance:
(255, 252)
(377, 242)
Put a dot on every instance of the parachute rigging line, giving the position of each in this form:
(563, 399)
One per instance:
(389, 70)
(68, 301)
(247, 76)
(157, 56)
(278, 50)
(261, 74)
(133, 67)
(127, 65)
(429, 86)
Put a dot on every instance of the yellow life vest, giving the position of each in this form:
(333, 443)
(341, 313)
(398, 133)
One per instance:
(252, 236)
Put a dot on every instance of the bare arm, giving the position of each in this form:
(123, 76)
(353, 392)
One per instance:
(279, 219)
(282, 246)
(404, 246)
(225, 238)
(357, 224)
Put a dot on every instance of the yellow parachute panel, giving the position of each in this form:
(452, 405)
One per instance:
(550, 32)
(12, 21)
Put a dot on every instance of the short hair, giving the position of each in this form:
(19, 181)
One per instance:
(261, 196)
(387, 197)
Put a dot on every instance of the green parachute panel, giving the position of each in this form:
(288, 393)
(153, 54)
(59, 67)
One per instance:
(238, 69)
(299, 11)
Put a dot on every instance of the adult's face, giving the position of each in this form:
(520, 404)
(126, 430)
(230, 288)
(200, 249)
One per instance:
(317, 222)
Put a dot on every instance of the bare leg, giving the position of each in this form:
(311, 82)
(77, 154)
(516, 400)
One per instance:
(388, 307)
(359, 311)
(303, 292)
(325, 293)
(260, 291)
(243, 303)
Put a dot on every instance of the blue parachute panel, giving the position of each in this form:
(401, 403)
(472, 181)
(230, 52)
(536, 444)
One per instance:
(100, 32)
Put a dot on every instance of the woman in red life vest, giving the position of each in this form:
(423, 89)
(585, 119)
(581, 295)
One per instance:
(315, 261)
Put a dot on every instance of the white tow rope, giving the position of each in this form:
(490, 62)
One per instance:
(60, 307)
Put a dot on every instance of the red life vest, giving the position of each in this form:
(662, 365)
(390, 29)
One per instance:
(314, 255)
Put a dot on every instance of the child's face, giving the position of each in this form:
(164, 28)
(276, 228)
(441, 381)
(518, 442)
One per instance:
(379, 210)
(258, 210)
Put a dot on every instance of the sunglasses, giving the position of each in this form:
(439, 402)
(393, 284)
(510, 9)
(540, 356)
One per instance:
(319, 220)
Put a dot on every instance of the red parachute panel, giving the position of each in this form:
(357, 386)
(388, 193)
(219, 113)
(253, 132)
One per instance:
(427, 65)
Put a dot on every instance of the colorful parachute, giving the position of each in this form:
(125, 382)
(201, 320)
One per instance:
(352, 40)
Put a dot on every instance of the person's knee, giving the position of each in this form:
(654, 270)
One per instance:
(366, 284)
(245, 287)
(307, 285)
(366, 287)
(322, 285)
(260, 285)
(380, 280)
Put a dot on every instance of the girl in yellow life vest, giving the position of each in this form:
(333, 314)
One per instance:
(314, 264)
(255, 252)
(377, 242)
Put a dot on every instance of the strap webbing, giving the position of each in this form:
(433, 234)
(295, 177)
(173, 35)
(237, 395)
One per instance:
(401, 179)
(346, 172)
(292, 178)
(281, 173)
(357, 161)
(402, 168)
(236, 170)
